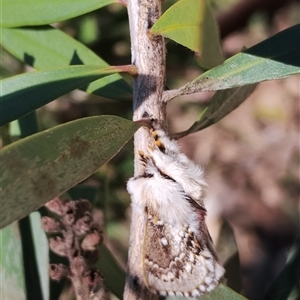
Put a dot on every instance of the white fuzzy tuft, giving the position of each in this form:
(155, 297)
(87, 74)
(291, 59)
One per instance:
(165, 197)
(169, 185)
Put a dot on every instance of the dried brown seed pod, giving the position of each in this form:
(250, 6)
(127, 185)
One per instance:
(83, 225)
(58, 246)
(58, 271)
(95, 281)
(82, 206)
(90, 242)
(78, 266)
(57, 206)
(51, 225)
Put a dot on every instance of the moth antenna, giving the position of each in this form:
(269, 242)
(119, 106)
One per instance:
(160, 146)
(155, 133)
(141, 153)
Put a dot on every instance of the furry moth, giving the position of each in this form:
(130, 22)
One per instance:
(179, 257)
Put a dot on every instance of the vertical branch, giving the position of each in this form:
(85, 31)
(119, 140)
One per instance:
(148, 55)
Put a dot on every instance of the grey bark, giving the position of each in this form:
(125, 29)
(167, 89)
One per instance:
(148, 55)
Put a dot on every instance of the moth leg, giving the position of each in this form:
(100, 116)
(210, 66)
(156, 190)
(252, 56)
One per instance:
(161, 139)
(144, 158)
(158, 143)
(141, 154)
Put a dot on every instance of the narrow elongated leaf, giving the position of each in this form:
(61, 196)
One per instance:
(191, 24)
(221, 292)
(31, 273)
(24, 93)
(229, 257)
(114, 275)
(31, 12)
(11, 267)
(274, 58)
(45, 165)
(41, 252)
(288, 279)
(221, 104)
(34, 242)
(46, 47)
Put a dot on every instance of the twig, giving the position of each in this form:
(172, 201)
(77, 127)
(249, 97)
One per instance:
(148, 55)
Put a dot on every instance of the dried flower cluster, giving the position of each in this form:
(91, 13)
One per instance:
(75, 236)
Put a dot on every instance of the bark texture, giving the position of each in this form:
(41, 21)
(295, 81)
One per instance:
(148, 55)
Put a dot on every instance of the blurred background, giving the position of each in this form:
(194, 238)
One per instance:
(251, 157)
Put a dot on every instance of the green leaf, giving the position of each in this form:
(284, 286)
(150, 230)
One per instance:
(233, 272)
(41, 252)
(226, 243)
(31, 12)
(24, 93)
(34, 242)
(114, 275)
(221, 104)
(191, 24)
(31, 273)
(228, 255)
(11, 266)
(289, 277)
(221, 292)
(274, 58)
(47, 164)
(41, 48)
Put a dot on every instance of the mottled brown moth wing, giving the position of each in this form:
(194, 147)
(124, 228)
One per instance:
(176, 262)
(178, 255)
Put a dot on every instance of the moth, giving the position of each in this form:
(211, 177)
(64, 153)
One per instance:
(178, 257)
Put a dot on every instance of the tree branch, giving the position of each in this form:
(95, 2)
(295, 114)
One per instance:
(148, 55)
